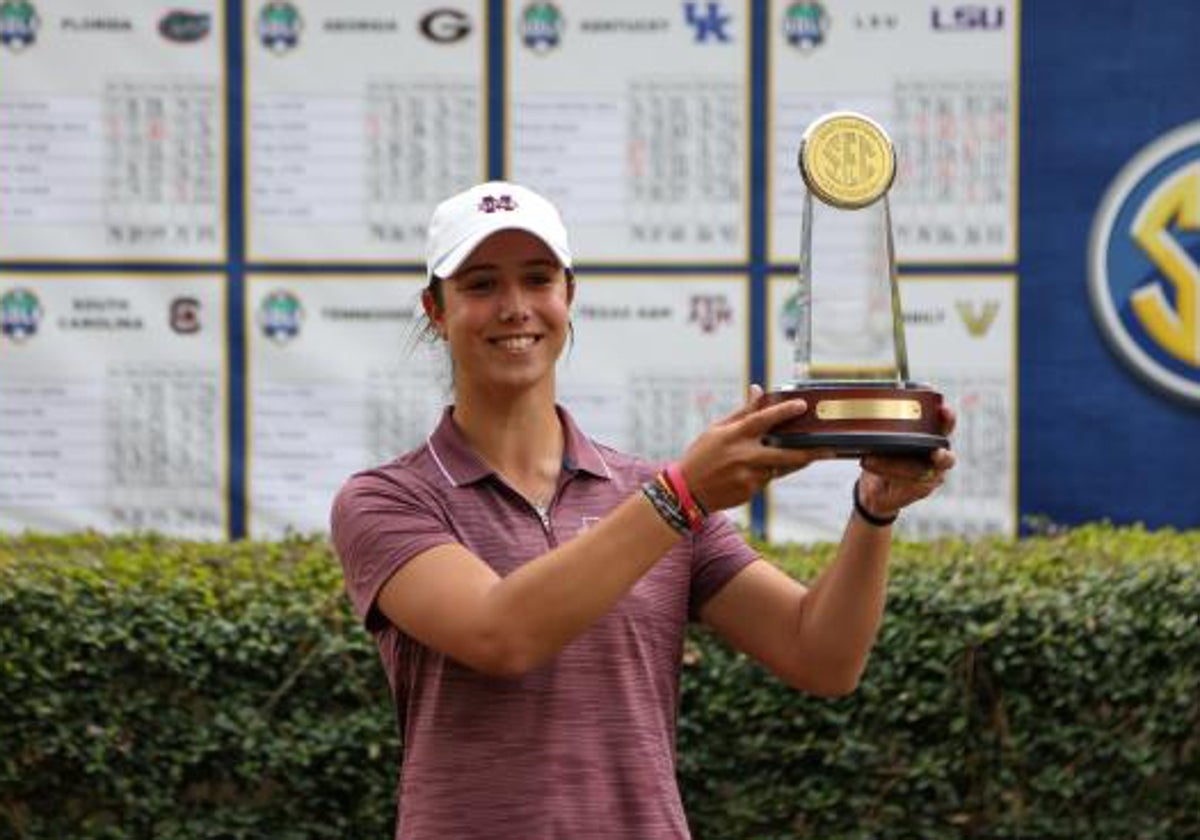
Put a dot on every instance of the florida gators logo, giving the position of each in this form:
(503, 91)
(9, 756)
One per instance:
(1144, 263)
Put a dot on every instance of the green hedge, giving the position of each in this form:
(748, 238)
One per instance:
(1045, 688)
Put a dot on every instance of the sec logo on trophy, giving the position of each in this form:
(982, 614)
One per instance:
(1144, 263)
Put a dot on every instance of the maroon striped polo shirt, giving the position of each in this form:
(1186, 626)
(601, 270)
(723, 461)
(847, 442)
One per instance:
(581, 747)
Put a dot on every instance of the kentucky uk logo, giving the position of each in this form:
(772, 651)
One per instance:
(1144, 263)
(709, 22)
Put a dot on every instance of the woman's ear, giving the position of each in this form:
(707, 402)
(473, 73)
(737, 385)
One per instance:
(433, 312)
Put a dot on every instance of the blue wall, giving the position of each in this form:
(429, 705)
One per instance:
(1099, 82)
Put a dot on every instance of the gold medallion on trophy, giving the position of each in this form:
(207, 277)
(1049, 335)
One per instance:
(847, 161)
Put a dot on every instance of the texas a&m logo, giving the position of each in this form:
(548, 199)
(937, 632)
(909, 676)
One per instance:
(709, 312)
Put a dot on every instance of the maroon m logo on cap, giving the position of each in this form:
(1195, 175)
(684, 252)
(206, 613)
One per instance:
(491, 203)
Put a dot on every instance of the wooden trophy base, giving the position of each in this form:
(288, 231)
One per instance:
(857, 418)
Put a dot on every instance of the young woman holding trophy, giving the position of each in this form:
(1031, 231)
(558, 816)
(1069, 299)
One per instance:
(528, 588)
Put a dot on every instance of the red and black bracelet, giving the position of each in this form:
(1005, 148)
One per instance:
(692, 509)
(669, 494)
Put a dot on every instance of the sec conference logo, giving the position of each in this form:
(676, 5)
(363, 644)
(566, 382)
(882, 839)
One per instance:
(19, 23)
(1144, 263)
(20, 315)
(280, 315)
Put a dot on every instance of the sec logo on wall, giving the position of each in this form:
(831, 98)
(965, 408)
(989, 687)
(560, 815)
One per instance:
(1144, 263)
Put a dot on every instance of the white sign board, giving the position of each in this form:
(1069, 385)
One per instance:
(942, 80)
(633, 118)
(362, 115)
(113, 400)
(338, 380)
(112, 132)
(961, 333)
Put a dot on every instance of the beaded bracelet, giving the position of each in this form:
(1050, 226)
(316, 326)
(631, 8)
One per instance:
(867, 516)
(666, 505)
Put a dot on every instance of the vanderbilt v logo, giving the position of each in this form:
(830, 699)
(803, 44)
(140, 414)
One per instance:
(977, 324)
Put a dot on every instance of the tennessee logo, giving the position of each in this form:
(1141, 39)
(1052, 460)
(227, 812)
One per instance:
(493, 204)
(1144, 263)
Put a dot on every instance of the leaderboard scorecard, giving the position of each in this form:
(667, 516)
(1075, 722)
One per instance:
(112, 132)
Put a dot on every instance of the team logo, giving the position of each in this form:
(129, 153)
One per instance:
(19, 23)
(20, 314)
(185, 27)
(1144, 263)
(185, 315)
(710, 23)
(710, 312)
(496, 203)
(541, 27)
(280, 315)
(445, 26)
(279, 27)
(967, 17)
(791, 317)
(805, 25)
(977, 322)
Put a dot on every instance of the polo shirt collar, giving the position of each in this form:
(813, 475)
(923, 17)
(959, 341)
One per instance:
(460, 464)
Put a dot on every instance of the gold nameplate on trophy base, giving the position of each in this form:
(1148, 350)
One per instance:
(868, 410)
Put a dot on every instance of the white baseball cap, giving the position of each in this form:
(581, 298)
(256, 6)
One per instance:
(464, 220)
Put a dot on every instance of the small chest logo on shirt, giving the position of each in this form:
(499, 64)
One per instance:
(586, 522)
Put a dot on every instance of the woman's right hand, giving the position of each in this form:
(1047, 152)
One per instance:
(729, 463)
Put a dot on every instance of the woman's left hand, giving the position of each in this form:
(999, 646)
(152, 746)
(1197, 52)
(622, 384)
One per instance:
(891, 483)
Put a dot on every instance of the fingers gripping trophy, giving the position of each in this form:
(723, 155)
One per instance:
(851, 361)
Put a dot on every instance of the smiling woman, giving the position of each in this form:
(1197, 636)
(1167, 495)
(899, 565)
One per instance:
(528, 588)
(504, 313)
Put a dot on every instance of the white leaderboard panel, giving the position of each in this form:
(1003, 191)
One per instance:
(633, 117)
(338, 380)
(962, 340)
(360, 116)
(656, 359)
(112, 132)
(942, 79)
(113, 404)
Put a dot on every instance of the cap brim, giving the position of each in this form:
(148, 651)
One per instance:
(449, 264)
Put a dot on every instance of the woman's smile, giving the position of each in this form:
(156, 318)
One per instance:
(515, 344)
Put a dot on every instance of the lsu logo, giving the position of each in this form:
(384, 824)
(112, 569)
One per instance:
(1144, 263)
